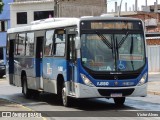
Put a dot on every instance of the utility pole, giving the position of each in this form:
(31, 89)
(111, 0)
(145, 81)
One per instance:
(119, 13)
(56, 8)
(106, 6)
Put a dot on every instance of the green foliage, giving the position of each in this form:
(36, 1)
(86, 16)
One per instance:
(1, 6)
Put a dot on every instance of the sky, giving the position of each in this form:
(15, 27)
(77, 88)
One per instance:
(111, 4)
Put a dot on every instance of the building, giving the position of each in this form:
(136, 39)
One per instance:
(25, 11)
(78, 8)
(4, 25)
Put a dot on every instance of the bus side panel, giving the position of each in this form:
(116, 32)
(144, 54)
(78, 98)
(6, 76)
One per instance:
(25, 65)
(17, 71)
(52, 67)
(30, 68)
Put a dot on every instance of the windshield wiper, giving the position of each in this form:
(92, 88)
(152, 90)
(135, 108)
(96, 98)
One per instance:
(131, 48)
(131, 51)
(104, 40)
(122, 40)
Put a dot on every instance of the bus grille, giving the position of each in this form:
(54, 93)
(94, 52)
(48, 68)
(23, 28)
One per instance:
(108, 92)
(112, 76)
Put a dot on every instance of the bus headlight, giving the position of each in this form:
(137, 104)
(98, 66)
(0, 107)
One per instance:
(86, 80)
(143, 79)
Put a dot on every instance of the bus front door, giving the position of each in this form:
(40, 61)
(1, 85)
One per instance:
(72, 63)
(38, 61)
(10, 62)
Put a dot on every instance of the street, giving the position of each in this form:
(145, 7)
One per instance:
(83, 49)
(48, 102)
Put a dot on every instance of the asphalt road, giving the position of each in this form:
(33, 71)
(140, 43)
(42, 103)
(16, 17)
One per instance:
(81, 108)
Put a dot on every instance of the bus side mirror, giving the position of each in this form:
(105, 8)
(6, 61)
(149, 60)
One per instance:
(77, 43)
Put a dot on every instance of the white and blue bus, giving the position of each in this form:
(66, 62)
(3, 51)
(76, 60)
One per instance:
(88, 57)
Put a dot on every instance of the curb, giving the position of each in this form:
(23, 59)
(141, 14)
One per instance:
(153, 92)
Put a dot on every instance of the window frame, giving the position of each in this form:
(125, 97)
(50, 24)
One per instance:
(52, 45)
(55, 43)
(19, 22)
(33, 44)
(5, 25)
(16, 50)
(42, 17)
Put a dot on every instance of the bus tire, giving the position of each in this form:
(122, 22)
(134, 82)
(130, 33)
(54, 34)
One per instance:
(1, 76)
(25, 90)
(119, 101)
(65, 99)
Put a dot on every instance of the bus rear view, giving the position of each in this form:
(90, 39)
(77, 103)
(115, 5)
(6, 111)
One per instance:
(113, 60)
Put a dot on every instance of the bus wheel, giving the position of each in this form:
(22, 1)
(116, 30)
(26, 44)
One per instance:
(65, 98)
(1, 76)
(25, 90)
(119, 101)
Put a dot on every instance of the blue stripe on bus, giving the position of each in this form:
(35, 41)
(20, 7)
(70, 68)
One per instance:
(112, 82)
(54, 66)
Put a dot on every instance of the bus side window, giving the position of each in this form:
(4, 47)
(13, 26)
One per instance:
(48, 43)
(20, 44)
(30, 44)
(59, 42)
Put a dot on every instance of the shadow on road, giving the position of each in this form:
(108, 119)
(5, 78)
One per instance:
(93, 104)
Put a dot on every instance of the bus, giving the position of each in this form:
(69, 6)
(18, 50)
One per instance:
(87, 57)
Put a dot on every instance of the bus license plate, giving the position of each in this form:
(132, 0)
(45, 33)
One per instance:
(116, 94)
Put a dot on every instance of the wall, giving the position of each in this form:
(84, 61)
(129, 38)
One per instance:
(5, 15)
(153, 42)
(153, 59)
(29, 7)
(148, 16)
(85, 2)
(67, 8)
(76, 10)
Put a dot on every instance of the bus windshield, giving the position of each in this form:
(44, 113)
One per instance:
(113, 52)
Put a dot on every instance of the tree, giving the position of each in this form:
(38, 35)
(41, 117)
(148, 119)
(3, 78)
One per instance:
(1, 6)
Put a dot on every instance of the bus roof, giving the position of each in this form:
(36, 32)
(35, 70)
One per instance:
(45, 24)
(109, 18)
(61, 22)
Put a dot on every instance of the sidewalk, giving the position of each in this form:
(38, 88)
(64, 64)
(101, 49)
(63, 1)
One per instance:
(154, 84)
(154, 88)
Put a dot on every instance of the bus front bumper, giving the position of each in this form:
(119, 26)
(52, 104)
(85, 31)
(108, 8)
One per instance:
(83, 91)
